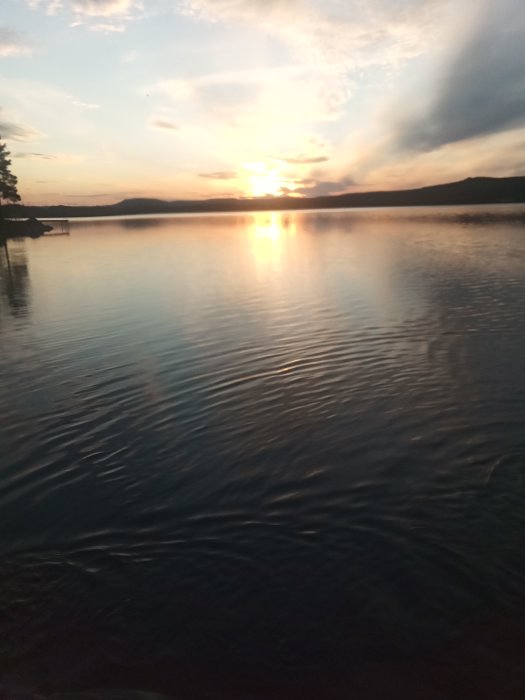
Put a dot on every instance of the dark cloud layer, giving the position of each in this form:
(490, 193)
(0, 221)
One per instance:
(323, 188)
(484, 89)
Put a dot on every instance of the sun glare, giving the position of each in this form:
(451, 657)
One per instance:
(265, 180)
(268, 227)
(270, 234)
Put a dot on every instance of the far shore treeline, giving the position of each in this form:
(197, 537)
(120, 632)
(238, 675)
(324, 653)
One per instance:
(479, 190)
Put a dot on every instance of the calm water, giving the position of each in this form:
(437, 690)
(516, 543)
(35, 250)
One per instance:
(274, 455)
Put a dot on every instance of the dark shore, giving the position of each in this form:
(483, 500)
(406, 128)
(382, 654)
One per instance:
(479, 190)
(30, 228)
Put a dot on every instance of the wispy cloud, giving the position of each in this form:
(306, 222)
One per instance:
(352, 34)
(165, 124)
(57, 158)
(86, 105)
(12, 43)
(106, 27)
(97, 195)
(89, 8)
(329, 42)
(220, 175)
(248, 112)
(226, 86)
(104, 8)
(38, 103)
(33, 156)
(16, 131)
(115, 14)
(304, 160)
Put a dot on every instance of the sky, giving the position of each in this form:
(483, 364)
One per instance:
(102, 100)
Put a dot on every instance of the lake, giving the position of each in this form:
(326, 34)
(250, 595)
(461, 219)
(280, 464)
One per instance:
(275, 455)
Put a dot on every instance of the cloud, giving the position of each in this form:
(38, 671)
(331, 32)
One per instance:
(175, 89)
(242, 105)
(483, 89)
(220, 175)
(57, 158)
(32, 156)
(86, 105)
(304, 160)
(88, 8)
(107, 27)
(251, 112)
(331, 43)
(165, 124)
(38, 103)
(497, 155)
(323, 188)
(115, 14)
(12, 43)
(103, 195)
(352, 33)
(18, 132)
(227, 88)
(103, 8)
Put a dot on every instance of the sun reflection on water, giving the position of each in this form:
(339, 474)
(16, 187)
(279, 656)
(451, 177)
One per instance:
(270, 233)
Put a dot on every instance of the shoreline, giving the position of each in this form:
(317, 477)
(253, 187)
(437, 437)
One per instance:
(472, 191)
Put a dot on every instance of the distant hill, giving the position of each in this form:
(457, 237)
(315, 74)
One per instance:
(478, 190)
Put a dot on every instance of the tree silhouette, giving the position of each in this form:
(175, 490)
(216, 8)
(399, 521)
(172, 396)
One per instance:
(8, 181)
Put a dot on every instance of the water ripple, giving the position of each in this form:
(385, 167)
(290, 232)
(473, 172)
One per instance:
(313, 465)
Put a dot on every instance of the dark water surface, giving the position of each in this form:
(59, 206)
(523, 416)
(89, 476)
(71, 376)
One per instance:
(260, 456)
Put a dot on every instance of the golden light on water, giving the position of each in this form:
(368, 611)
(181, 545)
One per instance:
(270, 233)
(273, 225)
(268, 228)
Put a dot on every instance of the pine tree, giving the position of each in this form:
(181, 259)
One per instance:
(8, 181)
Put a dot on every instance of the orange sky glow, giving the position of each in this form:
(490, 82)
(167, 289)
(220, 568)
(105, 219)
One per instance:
(102, 100)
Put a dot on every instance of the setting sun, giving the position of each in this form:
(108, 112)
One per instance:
(266, 180)
(261, 363)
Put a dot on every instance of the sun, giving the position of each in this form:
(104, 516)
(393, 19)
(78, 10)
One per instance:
(265, 180)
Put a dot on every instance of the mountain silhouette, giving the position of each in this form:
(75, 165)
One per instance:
(477, 190)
